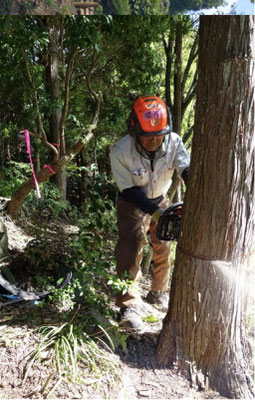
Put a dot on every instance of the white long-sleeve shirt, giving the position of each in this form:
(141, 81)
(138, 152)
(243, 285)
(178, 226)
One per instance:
(130, 168)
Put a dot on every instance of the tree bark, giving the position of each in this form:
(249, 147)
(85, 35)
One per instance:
(204, 329)
(60, 177)
(177, 104)
(168, 46)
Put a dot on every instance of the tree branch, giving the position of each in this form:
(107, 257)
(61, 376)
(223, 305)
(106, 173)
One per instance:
(168, 51)
(19, 196)
(192, 55)
(66, 98)
(42, 131)
(191, 93)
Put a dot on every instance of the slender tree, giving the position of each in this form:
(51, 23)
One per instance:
(180, 42)
(180, 75)
(204, 329)
(56, 32)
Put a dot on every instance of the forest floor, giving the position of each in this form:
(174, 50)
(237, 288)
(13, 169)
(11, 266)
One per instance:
(139, 376)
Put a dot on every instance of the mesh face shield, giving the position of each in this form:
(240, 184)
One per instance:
(159, 153)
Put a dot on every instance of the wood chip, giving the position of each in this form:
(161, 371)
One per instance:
(144, 392)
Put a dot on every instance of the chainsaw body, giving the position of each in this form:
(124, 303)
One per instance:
(169, 223)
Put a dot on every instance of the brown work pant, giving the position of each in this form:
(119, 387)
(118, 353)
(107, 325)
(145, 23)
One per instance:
(133, 225)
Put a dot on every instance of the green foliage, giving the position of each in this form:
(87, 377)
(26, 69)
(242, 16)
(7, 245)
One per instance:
(150, 7)
(116, 7)
(136, 7)
(12, 176)
(124, 58)
(93, 266)
(64, 299)
(90, 254)
(73, 348)
(156, 7)
(41, 258)
(128, 60)
(50, 205)
(5, 7)
(178, 7)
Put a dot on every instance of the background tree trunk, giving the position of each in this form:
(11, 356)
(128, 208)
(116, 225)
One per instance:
(183, 91)
(177, 104)
(55, 91)
(204, 329)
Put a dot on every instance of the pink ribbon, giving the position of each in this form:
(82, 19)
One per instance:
(27, 140)
(49, 167)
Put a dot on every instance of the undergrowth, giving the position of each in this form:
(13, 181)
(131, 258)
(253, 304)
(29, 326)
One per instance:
(82, 335)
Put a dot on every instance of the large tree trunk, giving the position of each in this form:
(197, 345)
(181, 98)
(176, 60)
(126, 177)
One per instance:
(204, 329)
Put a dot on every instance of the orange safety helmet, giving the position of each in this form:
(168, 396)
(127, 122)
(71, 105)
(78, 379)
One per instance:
(150, 116)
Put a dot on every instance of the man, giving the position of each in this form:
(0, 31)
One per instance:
(143, 163)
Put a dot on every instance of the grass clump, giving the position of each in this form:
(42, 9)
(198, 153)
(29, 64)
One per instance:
(73, 354)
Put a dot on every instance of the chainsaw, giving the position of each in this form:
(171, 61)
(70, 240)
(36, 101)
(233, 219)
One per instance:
(169, 223)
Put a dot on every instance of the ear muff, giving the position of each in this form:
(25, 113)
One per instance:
(133, 124)
(169, 118)
(130, 125)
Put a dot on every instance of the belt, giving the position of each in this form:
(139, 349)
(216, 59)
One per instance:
(156, 200)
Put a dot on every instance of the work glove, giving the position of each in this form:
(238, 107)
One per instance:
(185, 175)
(157, 214)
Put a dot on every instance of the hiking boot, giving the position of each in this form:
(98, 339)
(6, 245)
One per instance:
(159, 299)
(130, 318)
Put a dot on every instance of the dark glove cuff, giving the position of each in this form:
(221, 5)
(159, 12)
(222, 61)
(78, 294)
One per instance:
(185, 175)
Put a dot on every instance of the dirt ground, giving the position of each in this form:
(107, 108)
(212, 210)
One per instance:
(139, 376)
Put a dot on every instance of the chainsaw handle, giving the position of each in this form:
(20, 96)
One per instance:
(173, 207)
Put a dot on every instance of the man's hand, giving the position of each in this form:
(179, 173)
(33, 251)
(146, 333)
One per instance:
(157, 214)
